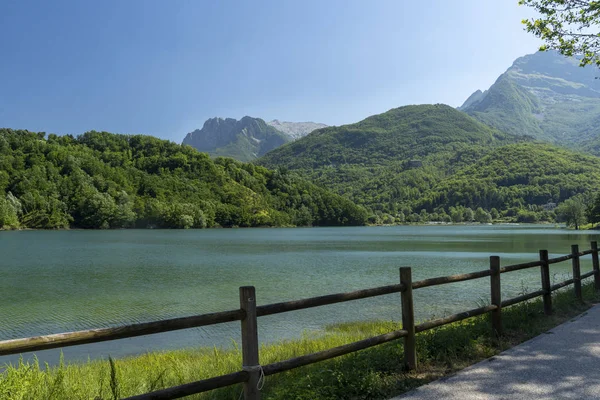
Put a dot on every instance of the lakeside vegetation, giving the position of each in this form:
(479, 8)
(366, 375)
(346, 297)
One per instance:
(374, 373)
(104, 180)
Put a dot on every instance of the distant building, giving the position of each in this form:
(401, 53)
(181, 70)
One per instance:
(549, 206)
(414, 164)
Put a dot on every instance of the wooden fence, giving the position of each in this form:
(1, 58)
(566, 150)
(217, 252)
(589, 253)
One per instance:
(248, 314)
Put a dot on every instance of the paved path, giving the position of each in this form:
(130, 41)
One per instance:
(563, 363)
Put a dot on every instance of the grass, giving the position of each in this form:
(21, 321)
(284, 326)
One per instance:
(374, 373)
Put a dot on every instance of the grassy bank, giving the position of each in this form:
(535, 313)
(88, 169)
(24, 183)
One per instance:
(369, 374)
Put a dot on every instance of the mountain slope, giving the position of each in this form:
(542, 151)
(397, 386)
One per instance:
(389, 160)
(243, 140)
(103, 180)
(543, 95)
(399, 134)
(295, 130)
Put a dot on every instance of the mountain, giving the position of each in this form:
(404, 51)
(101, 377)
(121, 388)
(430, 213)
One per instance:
(243, 140)
(104, 180)
(544, 95)
(295, 130)
(433, 162)
(397, 135)
(246, 139)
(389, 160)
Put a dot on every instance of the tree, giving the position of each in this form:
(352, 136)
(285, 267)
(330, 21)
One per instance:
(593, 210)
(494, 213)
(572, 212)
(456, 215)
(8, 214)
(482, 216)
(468, 215)
(569, 26)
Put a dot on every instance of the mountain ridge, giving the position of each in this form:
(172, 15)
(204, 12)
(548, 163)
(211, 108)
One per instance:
(296, 130)
(388, 161)
(544, 95)
(243, 140)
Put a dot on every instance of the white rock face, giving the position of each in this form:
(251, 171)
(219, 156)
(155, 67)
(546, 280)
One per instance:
(295, 130)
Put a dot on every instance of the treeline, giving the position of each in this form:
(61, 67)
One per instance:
(580, 210)
(461, 214)
(104, 180)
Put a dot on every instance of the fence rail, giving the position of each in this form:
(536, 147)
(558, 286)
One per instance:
(249, 312)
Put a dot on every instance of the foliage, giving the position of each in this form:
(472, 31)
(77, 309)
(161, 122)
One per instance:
(572, 212)
(9, 212)
(593, 209)
(103, 180)
(524, 176)
(569, 26)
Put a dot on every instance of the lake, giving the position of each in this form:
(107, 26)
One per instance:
(58, 281)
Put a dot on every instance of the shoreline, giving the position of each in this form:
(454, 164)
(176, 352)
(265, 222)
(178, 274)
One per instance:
(374, 373)
(431, 223)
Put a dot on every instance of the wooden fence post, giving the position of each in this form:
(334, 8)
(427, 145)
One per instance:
(595, 264)
(576, 272)
(250, 342)
(496, 296)
(408, 319)
(545, 271)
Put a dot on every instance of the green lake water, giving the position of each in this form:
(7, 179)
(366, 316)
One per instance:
(57, 281)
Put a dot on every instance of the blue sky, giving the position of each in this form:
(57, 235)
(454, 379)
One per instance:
(163, 67)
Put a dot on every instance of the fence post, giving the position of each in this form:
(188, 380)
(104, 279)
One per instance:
(576, 272)
(496, 297)
(408, 319)
(545, 270)
(595, 264)
(250, 342)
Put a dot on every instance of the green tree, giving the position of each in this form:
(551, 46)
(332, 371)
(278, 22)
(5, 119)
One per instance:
(572, 212)
(456, 215)
(494, 213)
(482, 216)
(8, 214)
(593, 211)
(468, 215)
(388, 219)
(569, 26)
(400, 217)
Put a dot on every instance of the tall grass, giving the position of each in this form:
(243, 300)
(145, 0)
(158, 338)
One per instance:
(374, 373)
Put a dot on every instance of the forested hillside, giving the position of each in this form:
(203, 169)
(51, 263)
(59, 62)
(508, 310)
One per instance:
(518, 176)
(399, 134)
(388, 161)
(426, 162)
(103, 180)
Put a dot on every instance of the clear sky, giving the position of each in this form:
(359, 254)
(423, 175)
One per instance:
(163, 67)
